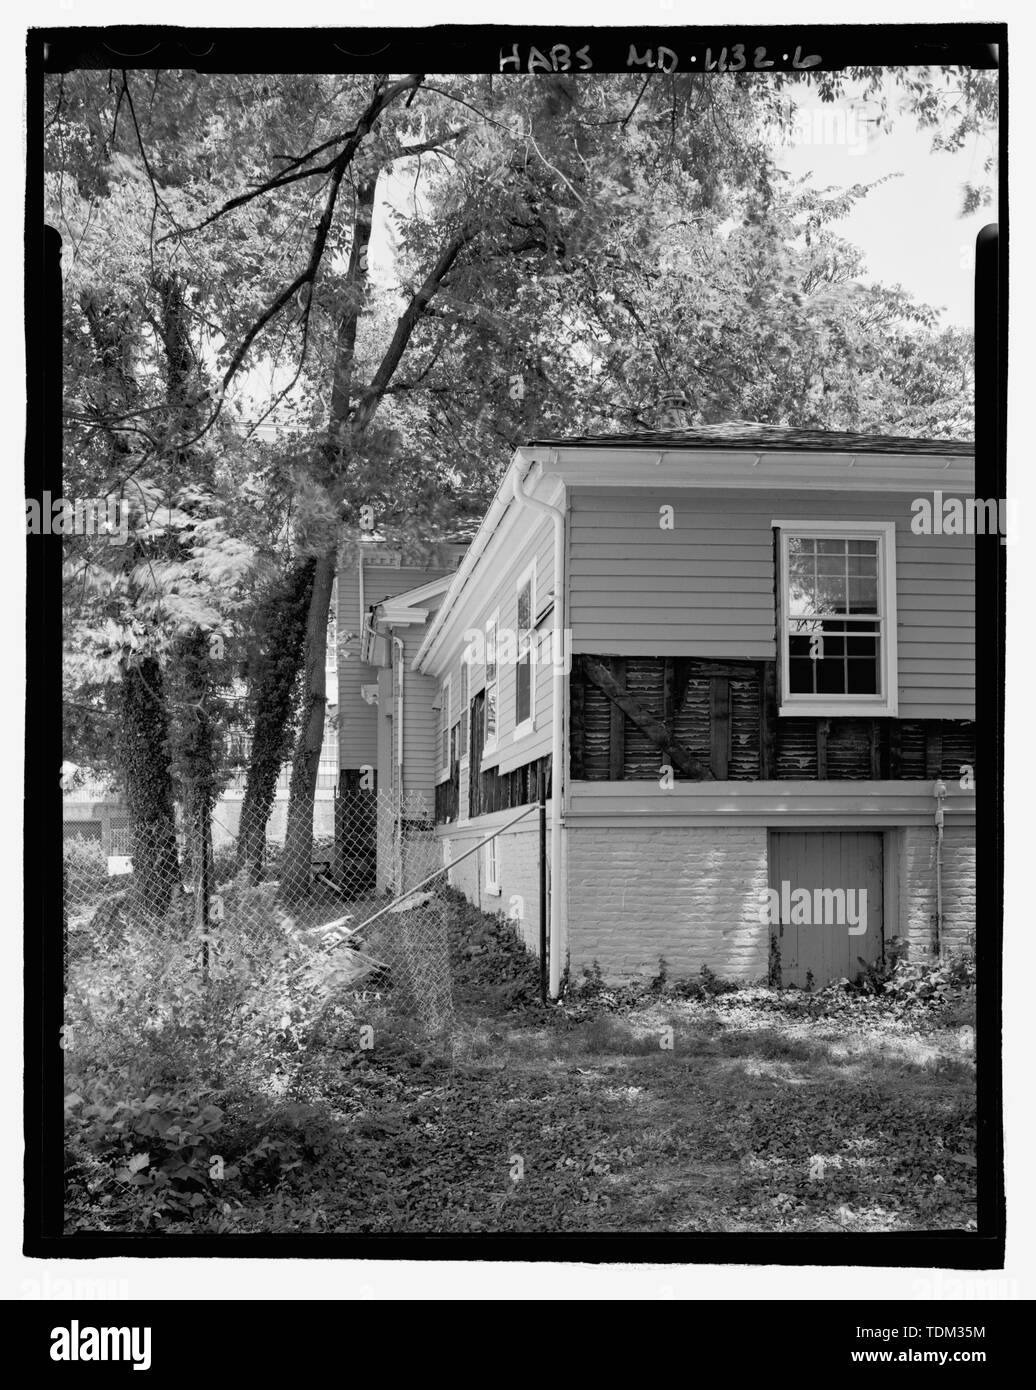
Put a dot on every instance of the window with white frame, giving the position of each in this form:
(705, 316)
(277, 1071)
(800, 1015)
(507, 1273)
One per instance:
(837, 603)
(492, 710)
(524, 674)
(464, 730)
(445, 729)
(492, 866)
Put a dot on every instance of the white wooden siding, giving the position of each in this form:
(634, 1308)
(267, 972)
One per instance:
(358, 721)
(493, 587)
(706, 587)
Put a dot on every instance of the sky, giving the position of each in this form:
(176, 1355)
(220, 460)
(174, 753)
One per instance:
(910, 229)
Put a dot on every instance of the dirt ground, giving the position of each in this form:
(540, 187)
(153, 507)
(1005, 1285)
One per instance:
(754, 1110)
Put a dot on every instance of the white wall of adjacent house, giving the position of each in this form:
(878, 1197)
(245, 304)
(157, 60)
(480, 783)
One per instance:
(382, 578)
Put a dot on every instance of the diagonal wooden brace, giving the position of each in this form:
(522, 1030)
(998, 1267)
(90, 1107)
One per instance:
(645, 720)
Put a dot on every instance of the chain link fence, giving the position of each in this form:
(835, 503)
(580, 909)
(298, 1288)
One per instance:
(375, 912)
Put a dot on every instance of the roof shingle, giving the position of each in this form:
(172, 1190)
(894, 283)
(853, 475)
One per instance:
(749, 434)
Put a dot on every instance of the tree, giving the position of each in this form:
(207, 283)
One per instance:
(564, 250)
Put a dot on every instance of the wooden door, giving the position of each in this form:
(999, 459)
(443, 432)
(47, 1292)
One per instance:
(823, 924)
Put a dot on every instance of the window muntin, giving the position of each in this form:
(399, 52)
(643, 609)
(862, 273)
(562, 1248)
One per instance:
(837, 608)
(834, 626)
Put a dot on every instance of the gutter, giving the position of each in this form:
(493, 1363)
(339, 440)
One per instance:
(557, 894)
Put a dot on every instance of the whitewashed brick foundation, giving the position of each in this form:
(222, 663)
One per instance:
(691, 895)
(917, 896)
(518, 869)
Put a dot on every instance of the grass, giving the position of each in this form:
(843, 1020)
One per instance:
(636, 1110)
(749, 1111)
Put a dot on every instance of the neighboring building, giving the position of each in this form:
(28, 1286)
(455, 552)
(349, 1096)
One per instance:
(94, 812)
(385, 749)
(753, 675)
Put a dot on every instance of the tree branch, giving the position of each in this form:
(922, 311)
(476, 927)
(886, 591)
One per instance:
(382, 98)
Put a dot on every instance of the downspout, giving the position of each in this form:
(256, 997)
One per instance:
(557, 894)
(363, 607)
(397, 642)
(939, 792)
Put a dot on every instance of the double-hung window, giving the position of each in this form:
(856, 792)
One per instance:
(492, 707)
(525, 671)
(492, 866)
(837, 606)
(445, 729)
(464, 728)
(463, 740)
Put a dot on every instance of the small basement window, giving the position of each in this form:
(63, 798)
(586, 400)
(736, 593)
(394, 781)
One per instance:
(837, 607)
(492, 867)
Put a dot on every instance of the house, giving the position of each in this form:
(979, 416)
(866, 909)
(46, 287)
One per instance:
(92, 811)
(743, 662)
(386, 724)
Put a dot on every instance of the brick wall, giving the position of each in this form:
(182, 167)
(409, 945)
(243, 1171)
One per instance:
(517, 868)
(917, 897)
(691, 895)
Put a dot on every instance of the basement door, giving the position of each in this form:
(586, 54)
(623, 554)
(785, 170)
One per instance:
(824, 933)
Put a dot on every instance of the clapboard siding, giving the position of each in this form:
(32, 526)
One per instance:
(706, 587)
(420, 722)
(494, 587)
(358, 721)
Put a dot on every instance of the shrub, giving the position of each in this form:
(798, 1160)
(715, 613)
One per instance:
(708, 985)
(85, 867)
(932, 982)
(162, 1057)
(224, 864)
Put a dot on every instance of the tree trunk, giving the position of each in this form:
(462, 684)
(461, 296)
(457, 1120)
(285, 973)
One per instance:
(143, 754)
(194, 758)
(298, 847)
(351, 412)
(273, 684)
(194, 736)
(142, 751)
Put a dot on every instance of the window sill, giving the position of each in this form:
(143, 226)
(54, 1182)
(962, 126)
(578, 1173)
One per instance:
(493, 890)
(524, 729)
(830, 709)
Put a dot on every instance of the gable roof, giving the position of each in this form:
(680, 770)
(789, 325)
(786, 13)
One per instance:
(751, 434)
